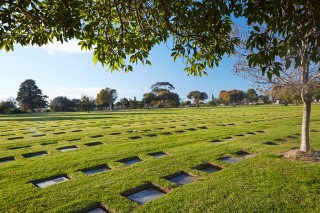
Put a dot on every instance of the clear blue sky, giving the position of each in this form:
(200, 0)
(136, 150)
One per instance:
(65, 70)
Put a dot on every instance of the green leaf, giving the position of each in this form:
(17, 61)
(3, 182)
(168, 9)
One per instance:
(269, 74)
(95, 58)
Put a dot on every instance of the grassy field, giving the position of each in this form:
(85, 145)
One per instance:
(265, 182)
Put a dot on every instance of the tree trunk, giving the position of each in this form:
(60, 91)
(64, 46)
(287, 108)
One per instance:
(110, 105)
(305, 140)
(306, 98)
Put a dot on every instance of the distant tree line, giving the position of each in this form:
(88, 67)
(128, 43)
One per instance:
(161, 95)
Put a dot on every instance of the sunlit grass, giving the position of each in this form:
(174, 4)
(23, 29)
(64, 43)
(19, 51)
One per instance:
(265, 182)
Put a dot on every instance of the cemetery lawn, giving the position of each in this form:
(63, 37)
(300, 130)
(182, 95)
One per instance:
(31, 150)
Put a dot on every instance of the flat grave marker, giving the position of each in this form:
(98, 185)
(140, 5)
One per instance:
(93, 143)
(166, 133)
(8, 130)
(181, 178)
(15, 138)
(202, 127)
(74, 139)
(134, 137)
(48, 143)
(50, 181)
(244, 154)
(10, 134)
(115, 133)
(39, 135)
(67, 148)
(7, 159)
(158, 154)
(208, 168)
(216, 140)
(250, 133)
(19, 147)
(270, 143)
(77, 130)
(152, 135)
(96, 136)
(34, 154)
(230, 160)
(97, 210)
(229, 138)
(48, 130)
(221, 125)
(58, 133)
(105, 127)
(95, 169)
(144, 194)
(130, 160)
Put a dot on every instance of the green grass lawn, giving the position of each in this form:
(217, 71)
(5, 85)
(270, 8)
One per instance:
(265, 182)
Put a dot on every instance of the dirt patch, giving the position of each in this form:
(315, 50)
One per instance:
(296, 154)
